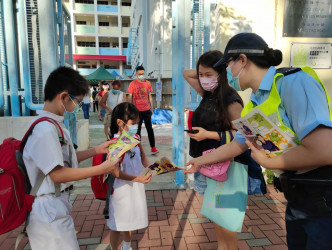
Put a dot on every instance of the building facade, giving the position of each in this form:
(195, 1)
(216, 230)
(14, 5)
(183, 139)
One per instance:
(100, 35)
(232, 17)
(150, 39)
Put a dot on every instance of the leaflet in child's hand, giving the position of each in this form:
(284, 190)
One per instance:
(124, 143)
(163, 166)
(264, 134)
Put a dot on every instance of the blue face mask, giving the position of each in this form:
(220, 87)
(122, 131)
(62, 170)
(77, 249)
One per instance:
(132, 129)
(75, 109)
(115, 91)
(234, 82)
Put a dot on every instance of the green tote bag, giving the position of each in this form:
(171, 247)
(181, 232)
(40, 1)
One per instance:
(225, 202)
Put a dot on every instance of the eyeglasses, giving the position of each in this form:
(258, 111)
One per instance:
(80, 103)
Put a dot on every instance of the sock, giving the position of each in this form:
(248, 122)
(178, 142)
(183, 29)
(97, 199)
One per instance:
(126, 245)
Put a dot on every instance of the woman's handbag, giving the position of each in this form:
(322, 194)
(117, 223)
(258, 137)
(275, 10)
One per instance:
(218, 170)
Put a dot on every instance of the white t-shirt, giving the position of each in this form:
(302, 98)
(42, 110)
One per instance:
(113, 100)
(43, 152)
(86, 98)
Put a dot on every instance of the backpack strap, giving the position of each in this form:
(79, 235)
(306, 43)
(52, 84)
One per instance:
(110, 182)
(63, 141)
(29, 132)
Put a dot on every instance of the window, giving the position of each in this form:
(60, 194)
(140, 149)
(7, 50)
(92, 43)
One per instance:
(86, 44)
(125, 4)
(104, 24)
(81, 22)
(84, 1)
(125, 45)
(83, 66)
(109, 67)
(104, 45)
(102, 2)
(115, 45)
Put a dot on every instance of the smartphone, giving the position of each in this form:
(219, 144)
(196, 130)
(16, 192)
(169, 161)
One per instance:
(191, 131)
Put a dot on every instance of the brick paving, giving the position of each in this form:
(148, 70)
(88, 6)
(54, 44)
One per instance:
(175, 223)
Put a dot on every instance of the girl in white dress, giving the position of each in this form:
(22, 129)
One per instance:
(127, 207)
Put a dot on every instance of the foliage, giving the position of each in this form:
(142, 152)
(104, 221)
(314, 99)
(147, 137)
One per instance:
(269, 174)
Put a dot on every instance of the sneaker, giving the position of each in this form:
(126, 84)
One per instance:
(154, 151)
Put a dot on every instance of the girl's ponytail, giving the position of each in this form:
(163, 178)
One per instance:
(114, 126)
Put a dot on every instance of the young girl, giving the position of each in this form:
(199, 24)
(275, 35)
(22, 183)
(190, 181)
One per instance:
(127, 208)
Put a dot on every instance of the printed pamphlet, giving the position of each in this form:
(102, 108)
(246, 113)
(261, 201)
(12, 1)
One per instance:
(123, 144)
(163, 166)
(265, 135)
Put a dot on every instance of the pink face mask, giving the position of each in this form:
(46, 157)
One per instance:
(209, 83)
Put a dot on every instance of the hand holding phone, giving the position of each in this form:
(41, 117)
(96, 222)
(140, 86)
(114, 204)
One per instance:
(191, 131)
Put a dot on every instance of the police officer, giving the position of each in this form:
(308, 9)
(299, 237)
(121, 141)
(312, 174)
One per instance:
(300, 103)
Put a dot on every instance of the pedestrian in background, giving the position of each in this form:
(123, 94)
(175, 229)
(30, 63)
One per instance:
(95, 103)
(109, 100)
(101, 110)
(140, 95)
(86, 105)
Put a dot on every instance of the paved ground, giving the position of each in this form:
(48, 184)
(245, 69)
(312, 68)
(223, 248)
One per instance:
(175, 223)
(174, 215)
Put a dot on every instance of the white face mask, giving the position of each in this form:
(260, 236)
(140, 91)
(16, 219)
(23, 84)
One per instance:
(141, 77)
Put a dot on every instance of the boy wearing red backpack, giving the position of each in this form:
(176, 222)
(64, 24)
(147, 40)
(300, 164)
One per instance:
(50, 225)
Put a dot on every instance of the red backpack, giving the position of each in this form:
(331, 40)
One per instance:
(99, 187)
(16, 194)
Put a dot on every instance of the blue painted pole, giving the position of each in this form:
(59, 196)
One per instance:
(174, 81)
(178, 55)
(11, 57)
(60, 26)
(207, 11)
(24, 58)
(2, 98)
(3, 66)
(194, 51)
(70, 48)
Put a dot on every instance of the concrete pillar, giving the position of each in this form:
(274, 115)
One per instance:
(121, 68)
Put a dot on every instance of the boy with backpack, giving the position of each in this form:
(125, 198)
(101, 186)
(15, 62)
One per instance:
(49, 224)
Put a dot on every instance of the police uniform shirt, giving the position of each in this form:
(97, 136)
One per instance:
(303, 102)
